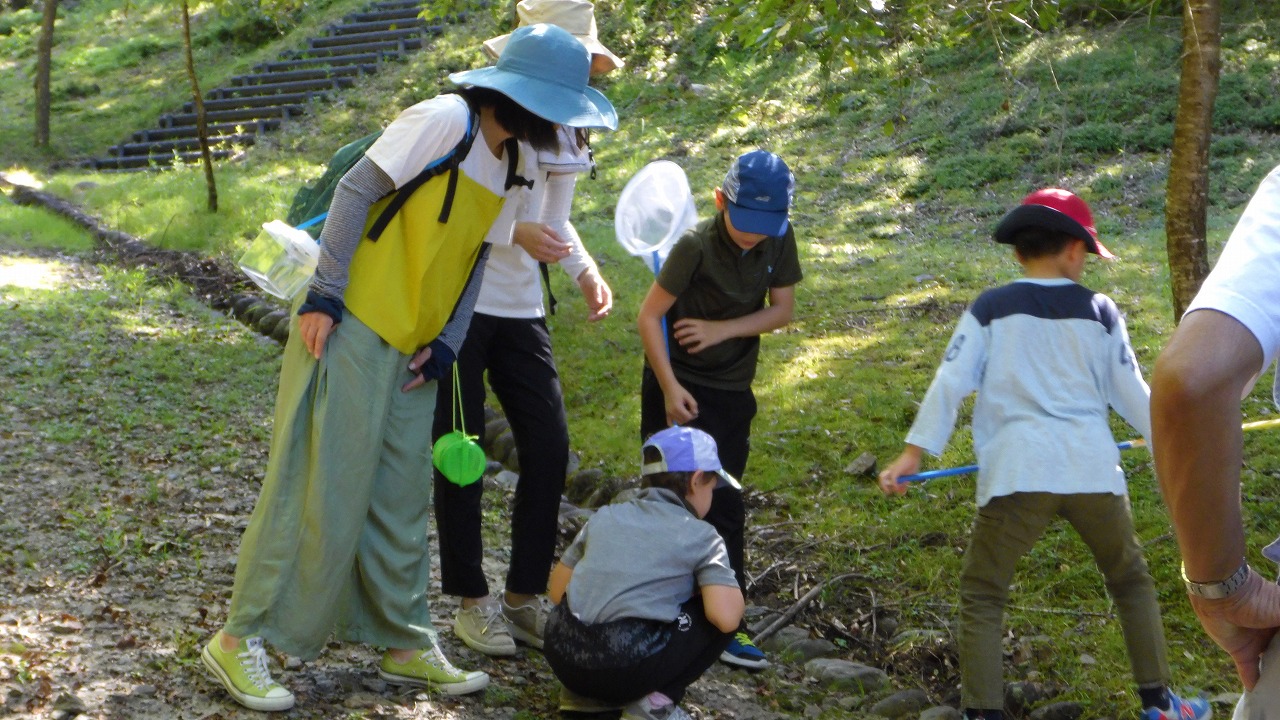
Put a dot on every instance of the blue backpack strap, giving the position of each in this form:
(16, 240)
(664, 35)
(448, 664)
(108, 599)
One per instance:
(448, 162)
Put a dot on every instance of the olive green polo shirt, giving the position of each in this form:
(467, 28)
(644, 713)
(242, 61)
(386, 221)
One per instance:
(714, 279)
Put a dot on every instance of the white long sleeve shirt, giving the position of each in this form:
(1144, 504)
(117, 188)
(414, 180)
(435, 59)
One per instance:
(512, 284)
(1047, 359)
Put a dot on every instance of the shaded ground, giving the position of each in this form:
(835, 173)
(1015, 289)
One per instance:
(133, 428)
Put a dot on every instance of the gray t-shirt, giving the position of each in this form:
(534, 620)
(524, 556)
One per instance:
(643, 559)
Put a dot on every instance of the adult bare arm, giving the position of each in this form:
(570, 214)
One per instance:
(1196, 389)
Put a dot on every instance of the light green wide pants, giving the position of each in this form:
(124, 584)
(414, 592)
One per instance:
(338, 539)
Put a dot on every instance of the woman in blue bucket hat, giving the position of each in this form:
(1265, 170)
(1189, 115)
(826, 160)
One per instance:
(337, 543)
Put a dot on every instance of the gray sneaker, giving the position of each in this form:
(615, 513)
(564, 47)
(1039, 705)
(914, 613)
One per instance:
(527, 622)
(654, 706)
(483, 628)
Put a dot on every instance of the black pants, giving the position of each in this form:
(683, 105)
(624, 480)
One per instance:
(726, 416)
(517, 354)
(624, 660)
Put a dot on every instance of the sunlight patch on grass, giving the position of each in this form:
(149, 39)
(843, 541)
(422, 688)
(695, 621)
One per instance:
(31, 274)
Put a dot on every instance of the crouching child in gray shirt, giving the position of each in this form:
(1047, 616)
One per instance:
(645, 598)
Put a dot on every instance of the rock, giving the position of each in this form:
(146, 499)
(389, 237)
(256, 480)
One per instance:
(605, 492)
(255, 313)
(240, 304)
(281, 332)
(1059, 711)
(846, 675)
(941, 712)
(68, 706)
(502, 447)
(292, 662)
(145, 690)
(902, 703)
(575, 462)
(580, 485)
(361, 700)
(808, 649)
(864, 464)
(373, 684)
(923, 278)
(267, 323)
(493, 467)
(507, 479)
(784, 638)
(912, 637)
(1021, 695)
(494, 428)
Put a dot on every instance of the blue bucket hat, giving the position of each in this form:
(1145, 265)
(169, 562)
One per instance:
(759, 187)
(545, 70)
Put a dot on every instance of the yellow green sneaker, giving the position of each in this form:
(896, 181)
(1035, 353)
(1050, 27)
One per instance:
(432, 670)
(244, 673)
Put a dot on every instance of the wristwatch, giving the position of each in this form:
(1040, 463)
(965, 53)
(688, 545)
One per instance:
(1220, 589)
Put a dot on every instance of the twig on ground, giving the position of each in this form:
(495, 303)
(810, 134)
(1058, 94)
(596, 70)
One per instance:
(786, 617)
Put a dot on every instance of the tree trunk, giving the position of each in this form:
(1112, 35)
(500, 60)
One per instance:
(1186, 195)
(44, 71)
(202, 128)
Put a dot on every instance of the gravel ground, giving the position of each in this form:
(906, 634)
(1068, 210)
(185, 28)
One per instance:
(116, 559)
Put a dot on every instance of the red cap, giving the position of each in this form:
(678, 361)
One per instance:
(1054, 209)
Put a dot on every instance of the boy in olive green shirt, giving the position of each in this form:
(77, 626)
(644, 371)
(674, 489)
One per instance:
(712, 291)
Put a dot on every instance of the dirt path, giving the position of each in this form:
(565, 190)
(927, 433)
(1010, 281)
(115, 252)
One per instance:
(121, 506)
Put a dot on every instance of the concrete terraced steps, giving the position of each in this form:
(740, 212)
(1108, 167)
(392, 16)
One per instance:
(277, 91)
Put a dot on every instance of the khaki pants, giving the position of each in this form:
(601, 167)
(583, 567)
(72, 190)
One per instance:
(338, 538)
(1005, 529)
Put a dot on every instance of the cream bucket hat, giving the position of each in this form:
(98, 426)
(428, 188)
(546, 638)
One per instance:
(576, 16)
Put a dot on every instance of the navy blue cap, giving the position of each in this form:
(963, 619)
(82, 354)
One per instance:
(759, 187)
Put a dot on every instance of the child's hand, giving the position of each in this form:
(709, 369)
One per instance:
(697, 335)
(681, 407)
(908, 463)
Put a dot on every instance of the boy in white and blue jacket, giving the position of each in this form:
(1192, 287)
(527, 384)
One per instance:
(1048, 357)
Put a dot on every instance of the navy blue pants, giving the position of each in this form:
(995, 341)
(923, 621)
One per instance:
(516, 352)
(624, 660)
(726, 416)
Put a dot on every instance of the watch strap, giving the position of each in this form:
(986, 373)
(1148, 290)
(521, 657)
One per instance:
(1219, 589)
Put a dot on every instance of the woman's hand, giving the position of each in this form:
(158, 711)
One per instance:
(540, 241)
(597, 294)
(316, 327)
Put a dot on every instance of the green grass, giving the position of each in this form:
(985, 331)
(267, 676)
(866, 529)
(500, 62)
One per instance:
(904, 164)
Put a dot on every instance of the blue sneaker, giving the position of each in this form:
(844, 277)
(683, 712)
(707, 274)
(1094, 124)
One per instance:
(1179, 709)
(744, 653)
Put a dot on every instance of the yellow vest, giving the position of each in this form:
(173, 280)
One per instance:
(405, 285)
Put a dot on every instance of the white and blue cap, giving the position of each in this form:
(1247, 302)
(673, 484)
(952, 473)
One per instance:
(686, 449)
(759, 187)
(545, 70)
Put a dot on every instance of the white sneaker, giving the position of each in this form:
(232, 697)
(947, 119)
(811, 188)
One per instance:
(654, 706)
(483, 628)
(528, 622)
